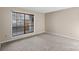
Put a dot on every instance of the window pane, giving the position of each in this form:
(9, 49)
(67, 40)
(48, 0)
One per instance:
(20, 24)
(28, 24)
(27, 17)
(14, 24)
(31, 28)
(22, 17)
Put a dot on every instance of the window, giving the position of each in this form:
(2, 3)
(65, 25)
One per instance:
(22, 23)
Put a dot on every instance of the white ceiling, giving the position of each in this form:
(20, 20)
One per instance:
(45, 9)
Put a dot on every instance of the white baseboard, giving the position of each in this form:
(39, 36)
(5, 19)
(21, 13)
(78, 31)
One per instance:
(63, 36)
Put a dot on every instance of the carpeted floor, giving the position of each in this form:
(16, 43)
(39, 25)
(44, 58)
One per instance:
(43, 42)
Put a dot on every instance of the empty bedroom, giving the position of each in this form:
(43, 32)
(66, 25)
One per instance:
(39, 28)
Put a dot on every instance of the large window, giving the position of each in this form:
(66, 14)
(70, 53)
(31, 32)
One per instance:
(22, 23)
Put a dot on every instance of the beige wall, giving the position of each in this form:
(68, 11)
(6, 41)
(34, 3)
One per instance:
(6, 20)
(64, 22)
(1, 24)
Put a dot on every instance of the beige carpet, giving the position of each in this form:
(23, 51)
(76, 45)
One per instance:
(43, 42)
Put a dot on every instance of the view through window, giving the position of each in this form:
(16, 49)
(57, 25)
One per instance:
(22, 23)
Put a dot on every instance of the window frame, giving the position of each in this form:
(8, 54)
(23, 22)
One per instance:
(24, 23)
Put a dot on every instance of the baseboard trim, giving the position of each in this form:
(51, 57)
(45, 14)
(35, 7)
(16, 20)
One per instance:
(20, 38)
(63, 36)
